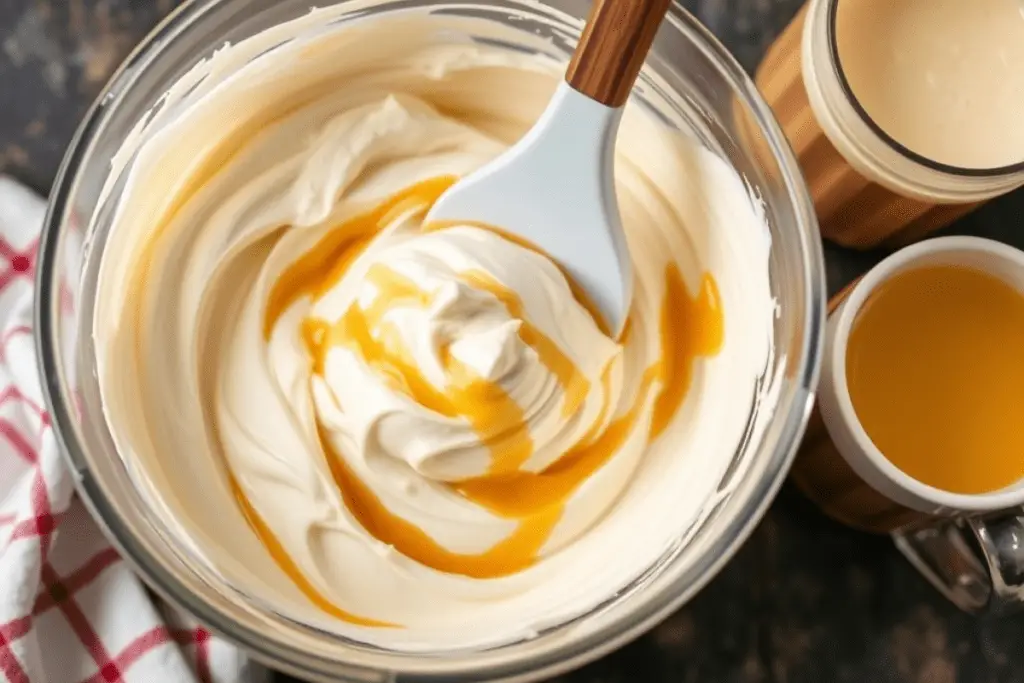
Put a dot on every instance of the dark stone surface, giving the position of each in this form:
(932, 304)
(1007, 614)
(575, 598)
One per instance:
(805, 601)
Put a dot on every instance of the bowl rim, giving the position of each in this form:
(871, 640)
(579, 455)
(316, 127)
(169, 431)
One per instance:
(560, 656)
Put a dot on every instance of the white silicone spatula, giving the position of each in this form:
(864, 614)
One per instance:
(555, 188)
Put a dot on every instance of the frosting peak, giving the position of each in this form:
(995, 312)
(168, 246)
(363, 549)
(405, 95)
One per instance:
(459, 352)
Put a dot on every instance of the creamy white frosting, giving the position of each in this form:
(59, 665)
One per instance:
(481, 334)
(259, 158)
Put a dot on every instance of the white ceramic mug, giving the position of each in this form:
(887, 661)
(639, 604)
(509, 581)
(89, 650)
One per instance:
(970, 546)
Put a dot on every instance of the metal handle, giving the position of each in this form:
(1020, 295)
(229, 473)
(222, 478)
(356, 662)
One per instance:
(976, 562)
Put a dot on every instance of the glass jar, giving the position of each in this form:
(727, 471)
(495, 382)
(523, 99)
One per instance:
(866, 146)
(867, 187)
(690, 82)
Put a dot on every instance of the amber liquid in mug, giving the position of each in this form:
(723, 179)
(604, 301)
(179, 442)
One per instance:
(935, 367)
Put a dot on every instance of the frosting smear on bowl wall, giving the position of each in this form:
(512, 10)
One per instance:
(417, 436)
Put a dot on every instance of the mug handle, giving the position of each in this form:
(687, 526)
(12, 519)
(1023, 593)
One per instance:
(976, 562)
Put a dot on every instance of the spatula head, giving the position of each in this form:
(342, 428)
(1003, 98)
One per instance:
(556, 189)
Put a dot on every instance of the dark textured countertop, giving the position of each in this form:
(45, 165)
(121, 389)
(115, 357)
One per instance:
(805, 601)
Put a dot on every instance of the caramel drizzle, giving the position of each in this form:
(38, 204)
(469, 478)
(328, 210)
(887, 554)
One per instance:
(577, 292)
(520, 495)
(202, 170)
(493, 414)
(291, 570)
(323, 266)
(311, 275)
(690, 328)
(511, 555)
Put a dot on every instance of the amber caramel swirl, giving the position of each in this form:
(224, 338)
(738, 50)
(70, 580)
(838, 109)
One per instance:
(415, 435)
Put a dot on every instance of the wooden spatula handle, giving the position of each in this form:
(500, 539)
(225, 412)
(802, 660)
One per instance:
(613, 47)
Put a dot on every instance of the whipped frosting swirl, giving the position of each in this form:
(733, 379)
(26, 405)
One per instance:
(416, 436)
(472, 314)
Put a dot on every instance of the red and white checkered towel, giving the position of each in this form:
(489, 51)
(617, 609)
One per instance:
(71, 611)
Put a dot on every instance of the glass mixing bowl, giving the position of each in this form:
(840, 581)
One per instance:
(690, 82)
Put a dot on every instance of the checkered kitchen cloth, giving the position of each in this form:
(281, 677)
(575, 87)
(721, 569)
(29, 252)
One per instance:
(71, 611)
